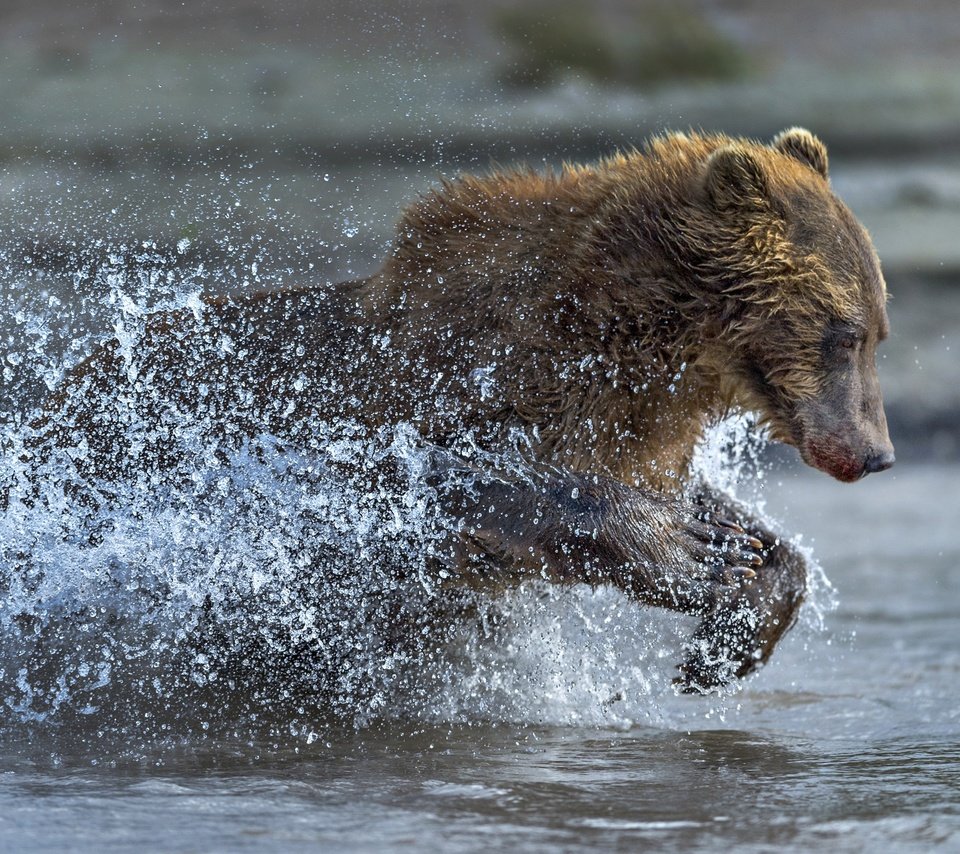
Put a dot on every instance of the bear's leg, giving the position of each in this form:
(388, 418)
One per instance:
(711, 558)
(544, 522)
(745, 623)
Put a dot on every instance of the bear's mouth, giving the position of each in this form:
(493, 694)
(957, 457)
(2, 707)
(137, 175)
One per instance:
(833, 458)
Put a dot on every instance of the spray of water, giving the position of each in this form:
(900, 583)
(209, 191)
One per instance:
(261, 587)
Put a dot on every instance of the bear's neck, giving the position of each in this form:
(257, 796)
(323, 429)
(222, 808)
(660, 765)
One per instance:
(643, 326)
(642, 394)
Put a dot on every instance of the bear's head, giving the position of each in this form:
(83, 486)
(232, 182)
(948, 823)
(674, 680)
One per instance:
(802, 302)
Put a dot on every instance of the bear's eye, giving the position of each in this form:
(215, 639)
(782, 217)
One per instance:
(842, 337)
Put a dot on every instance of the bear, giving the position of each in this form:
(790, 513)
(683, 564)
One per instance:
(597, 317)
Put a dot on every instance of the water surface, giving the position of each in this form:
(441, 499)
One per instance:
(848, 740)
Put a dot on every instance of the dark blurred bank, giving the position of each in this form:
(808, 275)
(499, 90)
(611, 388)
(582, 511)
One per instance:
(276, 142)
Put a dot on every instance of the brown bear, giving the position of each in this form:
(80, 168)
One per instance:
(605, 314)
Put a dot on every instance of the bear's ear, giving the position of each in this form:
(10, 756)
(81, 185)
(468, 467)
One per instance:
(735, 179)
(804, 146)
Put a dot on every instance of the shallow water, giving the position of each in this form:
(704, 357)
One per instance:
(849, 739)
(550, 723)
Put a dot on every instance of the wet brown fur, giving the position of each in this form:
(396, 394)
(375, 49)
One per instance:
(606, 312)
(627, 304)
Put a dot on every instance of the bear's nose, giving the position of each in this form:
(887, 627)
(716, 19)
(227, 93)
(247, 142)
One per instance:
(879, 462)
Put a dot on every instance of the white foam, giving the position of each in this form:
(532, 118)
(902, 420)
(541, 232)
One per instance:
(269, 584)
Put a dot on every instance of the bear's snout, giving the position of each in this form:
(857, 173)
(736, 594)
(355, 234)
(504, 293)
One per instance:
(879, 462)
(843, 431)
(837, 458)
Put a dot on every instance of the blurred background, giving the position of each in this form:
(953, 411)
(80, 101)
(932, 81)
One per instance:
(154, 149)
(265, 143)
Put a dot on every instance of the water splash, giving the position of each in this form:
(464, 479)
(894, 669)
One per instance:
(731, 458)
(265, 588)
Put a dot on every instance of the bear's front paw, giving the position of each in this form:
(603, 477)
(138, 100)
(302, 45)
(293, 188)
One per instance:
(727, 552)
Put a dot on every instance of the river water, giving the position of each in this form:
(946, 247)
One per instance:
(848, 740)
(548, 724)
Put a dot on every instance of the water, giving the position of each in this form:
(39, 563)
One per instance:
(848, 740)
(214, 664)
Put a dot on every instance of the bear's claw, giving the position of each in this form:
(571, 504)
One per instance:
(736, 528)
(730, 575)
(726, 547)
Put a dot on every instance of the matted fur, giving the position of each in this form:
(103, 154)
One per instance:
(607, 313)
(627, 303)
